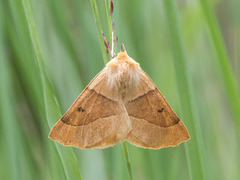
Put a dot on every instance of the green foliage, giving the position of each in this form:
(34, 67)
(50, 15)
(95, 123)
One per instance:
(186, 97)
(52, 110)
(189, 48)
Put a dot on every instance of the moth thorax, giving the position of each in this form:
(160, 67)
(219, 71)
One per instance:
(123, 75)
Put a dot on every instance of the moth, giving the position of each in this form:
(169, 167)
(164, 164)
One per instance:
(120, 103)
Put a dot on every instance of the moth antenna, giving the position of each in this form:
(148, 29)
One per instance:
(123, 48)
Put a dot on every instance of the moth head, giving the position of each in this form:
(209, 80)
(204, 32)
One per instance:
(122, 61)
(122, 56)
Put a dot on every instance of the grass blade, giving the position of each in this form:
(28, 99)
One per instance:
(126, 155)
(8, 120)
(223, 60)
(52, 110)
(188, 112)
(98, 23)
(109, 20)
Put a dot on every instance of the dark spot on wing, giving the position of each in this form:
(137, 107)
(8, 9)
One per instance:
(160, 110)
(80, 109)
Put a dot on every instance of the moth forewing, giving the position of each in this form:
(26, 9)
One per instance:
(120, 103)
(96, 119)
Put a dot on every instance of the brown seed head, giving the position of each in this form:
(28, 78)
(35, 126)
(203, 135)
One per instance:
(111, 7)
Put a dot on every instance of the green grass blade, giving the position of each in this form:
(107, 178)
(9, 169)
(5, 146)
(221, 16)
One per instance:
(62, 18)
(9, 126)
(28, 77)
(98, 23)
(127, 159)
(52, 110)
(109, 20)
(229, 80)
(194, 147)
(8, 120)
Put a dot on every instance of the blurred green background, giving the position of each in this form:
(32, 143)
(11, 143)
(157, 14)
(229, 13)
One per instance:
(190, 49)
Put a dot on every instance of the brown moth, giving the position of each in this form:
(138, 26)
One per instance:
(120, 103)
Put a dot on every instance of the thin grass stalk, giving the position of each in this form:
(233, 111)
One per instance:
(194, 148)
(109, 19)
(66, 154)
(124, 144)
(97, 20)
(98, 23)
(127, 159)
(230, 83)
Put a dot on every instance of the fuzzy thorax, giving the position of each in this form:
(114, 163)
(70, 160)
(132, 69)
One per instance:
(123, 72)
